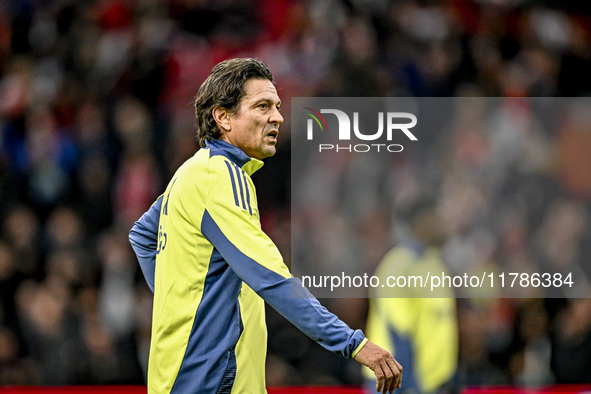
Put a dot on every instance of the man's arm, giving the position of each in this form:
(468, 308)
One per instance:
(143, 237)
(276, 286)
(235, 232)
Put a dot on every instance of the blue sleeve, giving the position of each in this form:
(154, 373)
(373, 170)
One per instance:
(286, 295)
(143, 237)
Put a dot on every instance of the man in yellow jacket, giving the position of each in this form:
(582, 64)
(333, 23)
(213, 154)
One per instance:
(421, 331)
(211, 267)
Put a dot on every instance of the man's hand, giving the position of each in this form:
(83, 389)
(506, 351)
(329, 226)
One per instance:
(388, 371)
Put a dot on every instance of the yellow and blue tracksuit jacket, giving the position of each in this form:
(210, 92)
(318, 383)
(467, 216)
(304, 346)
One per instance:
(210, 266)
(421, 333)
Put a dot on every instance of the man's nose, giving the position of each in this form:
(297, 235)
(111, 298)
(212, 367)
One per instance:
(276, 117)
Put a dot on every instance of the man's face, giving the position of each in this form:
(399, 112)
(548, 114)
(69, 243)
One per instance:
(254, 128)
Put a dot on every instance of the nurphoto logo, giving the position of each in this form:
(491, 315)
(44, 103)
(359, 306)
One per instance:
(344, 130)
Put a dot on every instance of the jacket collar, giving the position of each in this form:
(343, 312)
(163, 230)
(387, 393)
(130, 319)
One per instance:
(416, 245)
(234, 154)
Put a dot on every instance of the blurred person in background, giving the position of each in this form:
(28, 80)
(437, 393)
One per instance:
(421, 332)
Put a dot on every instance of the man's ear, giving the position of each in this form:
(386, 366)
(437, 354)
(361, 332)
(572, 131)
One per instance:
(222, 118)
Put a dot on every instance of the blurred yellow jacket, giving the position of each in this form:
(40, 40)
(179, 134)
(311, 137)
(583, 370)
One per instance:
(421, 333)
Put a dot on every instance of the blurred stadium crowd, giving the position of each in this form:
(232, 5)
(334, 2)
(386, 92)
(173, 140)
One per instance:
(96, 115)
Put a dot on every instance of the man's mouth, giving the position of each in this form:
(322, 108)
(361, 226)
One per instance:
(273, 134)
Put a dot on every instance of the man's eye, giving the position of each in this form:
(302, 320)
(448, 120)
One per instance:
(263, 106)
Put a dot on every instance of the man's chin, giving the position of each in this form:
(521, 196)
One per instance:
(268, 152)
